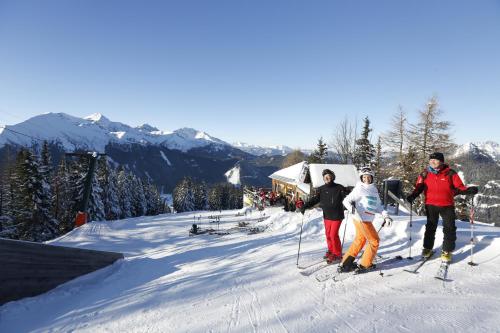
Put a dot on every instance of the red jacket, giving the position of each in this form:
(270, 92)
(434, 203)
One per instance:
(440, 188)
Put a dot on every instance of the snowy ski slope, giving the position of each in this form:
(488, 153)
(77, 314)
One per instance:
(171, 282)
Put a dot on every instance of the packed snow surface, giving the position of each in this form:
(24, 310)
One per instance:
(171, 282)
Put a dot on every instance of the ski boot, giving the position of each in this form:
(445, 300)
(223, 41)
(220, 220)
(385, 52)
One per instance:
(361, 269)
(332, 259)
(347, 266)
(427, 253)
(327, 254)
(446, 257)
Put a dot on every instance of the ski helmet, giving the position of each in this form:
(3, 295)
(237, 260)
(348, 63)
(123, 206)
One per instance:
(366, 171)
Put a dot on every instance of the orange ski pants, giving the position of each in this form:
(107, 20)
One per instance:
(364, 232)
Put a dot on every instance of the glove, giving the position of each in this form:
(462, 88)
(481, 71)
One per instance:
(411, 198)
(471, 190)
(303, 210)
(388, 221)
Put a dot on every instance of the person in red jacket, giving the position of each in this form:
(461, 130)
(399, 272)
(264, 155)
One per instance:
(299, 203)
(439, 184)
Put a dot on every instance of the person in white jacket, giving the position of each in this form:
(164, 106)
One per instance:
(364, 201)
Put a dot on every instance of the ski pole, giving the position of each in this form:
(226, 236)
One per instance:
(343, 238)
(471, 262)
(411, 222)
(300, 239)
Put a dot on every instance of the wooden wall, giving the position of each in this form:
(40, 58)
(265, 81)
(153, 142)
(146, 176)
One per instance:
(29, 269)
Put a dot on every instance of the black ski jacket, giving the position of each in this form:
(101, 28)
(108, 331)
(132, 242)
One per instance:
(329, 197)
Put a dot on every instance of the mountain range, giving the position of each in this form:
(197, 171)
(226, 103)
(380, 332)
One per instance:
(161, 156)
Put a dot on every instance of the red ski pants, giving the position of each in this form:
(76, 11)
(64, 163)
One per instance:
(332, 236)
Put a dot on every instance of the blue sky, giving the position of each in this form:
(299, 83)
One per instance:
(264, 72)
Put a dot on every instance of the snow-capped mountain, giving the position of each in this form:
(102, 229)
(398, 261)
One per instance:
(487, 149)
(263, 150)
(160, 156)
(96, 131)
(480, 164)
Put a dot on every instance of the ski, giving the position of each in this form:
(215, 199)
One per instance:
(442, 272)
(313, 269)
(310, 264)
(422, 261)
(381, 265)
(338, 276)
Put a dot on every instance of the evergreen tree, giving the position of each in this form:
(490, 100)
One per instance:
(154, 201)
(63, 195)
(108, 182)
(200, 196)
(378, 167)
(8, 226)
(215, 197)
(319, 155)
(364, 151)
(124, 194)
(33, 202)
(184, 196)
(11, 186)
(96, 205)
(236, 198)
(139, 205)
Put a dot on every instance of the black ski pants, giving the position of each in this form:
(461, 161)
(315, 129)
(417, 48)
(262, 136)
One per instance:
(449, 229)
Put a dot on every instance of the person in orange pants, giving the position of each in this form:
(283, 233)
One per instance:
(366, 201)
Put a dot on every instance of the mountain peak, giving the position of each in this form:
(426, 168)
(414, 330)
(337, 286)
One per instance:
(96, 117)
(147, 128)
(191, 133)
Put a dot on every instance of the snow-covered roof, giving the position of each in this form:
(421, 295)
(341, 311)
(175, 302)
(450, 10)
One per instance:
(290, 174)
(293, 175)
(345, 174)
(306, 188)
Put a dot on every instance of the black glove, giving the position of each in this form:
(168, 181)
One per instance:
(303, 210)
(353, 206)
(471, 190)
(411, 198)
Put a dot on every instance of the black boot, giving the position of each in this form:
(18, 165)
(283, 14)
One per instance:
(348, 265)
(362, 269)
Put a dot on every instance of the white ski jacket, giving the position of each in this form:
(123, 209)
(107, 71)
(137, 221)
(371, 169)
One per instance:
(367, 201)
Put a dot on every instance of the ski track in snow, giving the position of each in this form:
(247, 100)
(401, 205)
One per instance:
(171, 282)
